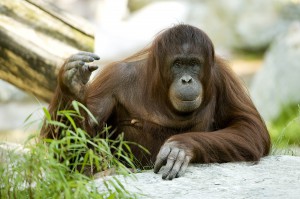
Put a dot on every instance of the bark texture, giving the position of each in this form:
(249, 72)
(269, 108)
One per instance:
(35, 38)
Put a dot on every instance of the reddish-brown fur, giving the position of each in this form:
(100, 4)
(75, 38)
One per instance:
(132, 97)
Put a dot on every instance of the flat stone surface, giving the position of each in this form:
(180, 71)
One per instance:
(273, 177)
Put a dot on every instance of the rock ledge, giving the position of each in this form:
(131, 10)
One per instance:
(273, 177)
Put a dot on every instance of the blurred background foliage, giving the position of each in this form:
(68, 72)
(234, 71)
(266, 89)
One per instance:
(285, 128)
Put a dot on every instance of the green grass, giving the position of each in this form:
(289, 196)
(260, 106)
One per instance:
(56, 168)
(285, 129)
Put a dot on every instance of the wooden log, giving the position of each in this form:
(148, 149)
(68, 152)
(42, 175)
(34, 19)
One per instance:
(35, 38)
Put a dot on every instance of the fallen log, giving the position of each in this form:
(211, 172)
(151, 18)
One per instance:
(35, 38)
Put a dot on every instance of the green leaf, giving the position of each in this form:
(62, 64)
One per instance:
(71, 120)
(76, 107)
(88, 112)
(55, 123)
(112, 196)
(47, 114)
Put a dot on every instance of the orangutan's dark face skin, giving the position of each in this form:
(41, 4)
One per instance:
(185, 92)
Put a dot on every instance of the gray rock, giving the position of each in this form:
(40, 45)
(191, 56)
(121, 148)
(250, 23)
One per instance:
(278, 83)
(249, 24)
(258, 23)
(13, 117)
(273, 177)
(9, 93)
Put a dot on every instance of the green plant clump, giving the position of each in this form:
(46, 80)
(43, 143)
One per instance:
(57, 168)
(285, 129)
